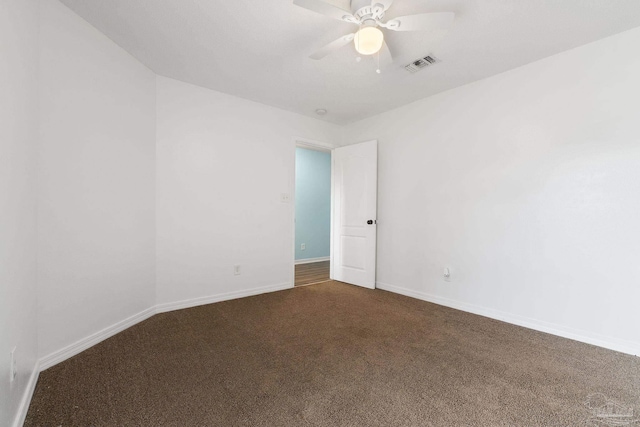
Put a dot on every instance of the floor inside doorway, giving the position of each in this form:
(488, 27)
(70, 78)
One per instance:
(309, 274)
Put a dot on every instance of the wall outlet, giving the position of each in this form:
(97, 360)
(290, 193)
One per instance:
(303, 246)
(13, 366)
(285, 198)
(236, 269)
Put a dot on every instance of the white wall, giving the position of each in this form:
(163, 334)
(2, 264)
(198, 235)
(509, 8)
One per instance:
(96, 221)
(222, 165)
(18, 137)
(527, 185)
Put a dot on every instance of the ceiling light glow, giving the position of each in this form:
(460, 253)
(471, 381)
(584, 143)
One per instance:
(368, 40)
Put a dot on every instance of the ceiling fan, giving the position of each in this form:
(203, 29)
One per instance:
(368, 14)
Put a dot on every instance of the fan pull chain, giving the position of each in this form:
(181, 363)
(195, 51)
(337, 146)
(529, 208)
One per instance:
(378, 70)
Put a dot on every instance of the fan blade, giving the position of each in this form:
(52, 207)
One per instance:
(333, 46)
(385, 56)
(421, 22)
(326, 9)
(385, 3)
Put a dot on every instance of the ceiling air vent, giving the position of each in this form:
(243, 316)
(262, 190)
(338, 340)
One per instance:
(421, 63)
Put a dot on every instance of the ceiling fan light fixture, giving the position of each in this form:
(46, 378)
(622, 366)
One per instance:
(368, 40)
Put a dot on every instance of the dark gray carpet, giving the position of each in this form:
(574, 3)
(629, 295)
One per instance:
(334, 355)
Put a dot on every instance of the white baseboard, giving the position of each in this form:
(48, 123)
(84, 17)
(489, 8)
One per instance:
(23, 408)
(312, 260)
(628, 347)
(179, 305)
(83, 344)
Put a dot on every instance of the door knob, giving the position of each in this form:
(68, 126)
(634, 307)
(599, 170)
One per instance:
(370, 222)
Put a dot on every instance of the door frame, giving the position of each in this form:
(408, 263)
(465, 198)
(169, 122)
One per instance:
(325, 147)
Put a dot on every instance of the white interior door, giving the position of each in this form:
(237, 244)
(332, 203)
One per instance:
(353, 236)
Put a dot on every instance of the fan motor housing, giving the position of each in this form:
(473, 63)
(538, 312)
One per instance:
(363, 10)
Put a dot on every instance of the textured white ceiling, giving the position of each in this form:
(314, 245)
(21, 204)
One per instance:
(258, 49)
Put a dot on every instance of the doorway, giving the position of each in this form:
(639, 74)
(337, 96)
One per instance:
(312, 215)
